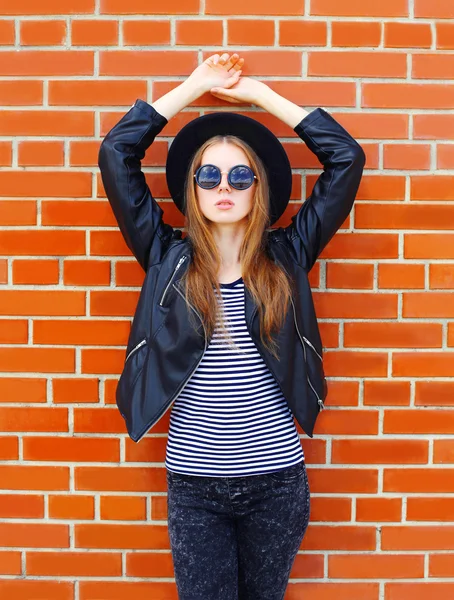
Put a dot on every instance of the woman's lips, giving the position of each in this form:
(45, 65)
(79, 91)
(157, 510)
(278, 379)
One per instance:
(224, 205)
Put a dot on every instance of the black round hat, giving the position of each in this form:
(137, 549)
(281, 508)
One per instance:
(260, 138)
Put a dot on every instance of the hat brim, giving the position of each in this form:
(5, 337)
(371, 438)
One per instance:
(260, 138)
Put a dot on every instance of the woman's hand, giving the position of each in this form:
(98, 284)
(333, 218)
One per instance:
(245, 90)
(217, 71)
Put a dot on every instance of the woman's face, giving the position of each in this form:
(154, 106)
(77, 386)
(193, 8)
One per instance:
(225, 156)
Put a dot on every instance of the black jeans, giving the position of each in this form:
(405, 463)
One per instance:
(236, 538)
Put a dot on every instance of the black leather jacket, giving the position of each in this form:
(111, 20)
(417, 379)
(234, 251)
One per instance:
(164, 349)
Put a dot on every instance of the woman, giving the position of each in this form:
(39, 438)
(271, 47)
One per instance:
(225, 327)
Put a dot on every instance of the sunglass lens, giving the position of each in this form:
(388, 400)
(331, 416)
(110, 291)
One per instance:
(241, 178)
(208, 177)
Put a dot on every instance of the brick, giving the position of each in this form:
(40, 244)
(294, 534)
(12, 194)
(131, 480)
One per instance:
(420, 421)
(143, 7)
(74, 564)
(393, 335)
(9, 448)
(23, 589)
(432, 187)
(6, 157)
(34, 418)
(381, 188)
(445, 156)
(356, 64)
(343, 305)
(146, 33)
(429, 245)
(349, 276)
(403, 216)
(365, 452)
(429, 127)
(351, 8)
(16, 93)
(407, 35)
(326, 537)
(123, 508)
(343, 481)
(436, 393)
(94, 33)
(121, 536)
(41, 154)
(47, 63)
(375, 566)
(25, 477)
(14, 389)
(302, 33)
(419, 591)
(81, 333)
(80, 273)
(417, 538)
(10, 563)
(96, 93)
(423, 364)
(42, 33)
(74, 390)
(359, 245)
(348, 422)
(191, 32)
(29, 272)
(378, 509)
(155, 564)
(46, 183)
(16, 506)
(71, 507)
(26, 123)
(133, 479)
(351, 33)
(47, 7)
(427, 304)
(254, 7)
(331, 509)
(7, 33)
(445, 35)
(441, 565)
(41, 243)
(432, 66)
(355, 364)
(430, 509)
(441, 276)
(240, 32)
(406, 156)
(71, 449)
(386, 393)
(147, 62)
(401, 276)
(442, 9)
(407, 95)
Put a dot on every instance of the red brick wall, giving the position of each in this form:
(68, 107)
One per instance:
(82, 508)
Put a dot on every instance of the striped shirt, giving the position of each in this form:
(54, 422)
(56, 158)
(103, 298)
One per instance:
(231, 419)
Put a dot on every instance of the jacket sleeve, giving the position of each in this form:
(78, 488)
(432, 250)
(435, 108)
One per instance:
(138, 215)
(334, 192)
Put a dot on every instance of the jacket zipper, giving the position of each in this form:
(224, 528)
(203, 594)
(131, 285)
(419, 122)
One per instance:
(164, 410)
(312, 346)
(302, 338)
(144, 341)
(180, 262)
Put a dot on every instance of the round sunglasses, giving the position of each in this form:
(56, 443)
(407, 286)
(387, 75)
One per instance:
(241, 177)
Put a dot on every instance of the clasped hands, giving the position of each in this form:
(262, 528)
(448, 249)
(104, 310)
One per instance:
(221, 75)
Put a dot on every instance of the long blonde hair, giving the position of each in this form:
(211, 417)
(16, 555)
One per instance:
(266, 281)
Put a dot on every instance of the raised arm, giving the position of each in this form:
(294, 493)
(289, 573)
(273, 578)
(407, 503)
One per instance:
(334, 192)
(138, 215)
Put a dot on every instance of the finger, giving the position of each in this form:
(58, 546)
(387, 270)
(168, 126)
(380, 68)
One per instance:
(232, 61)
(223, 58)
(237, 66)
(213, 59)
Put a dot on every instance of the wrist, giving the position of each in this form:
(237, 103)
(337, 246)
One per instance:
(264, 98)
(193, 89)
